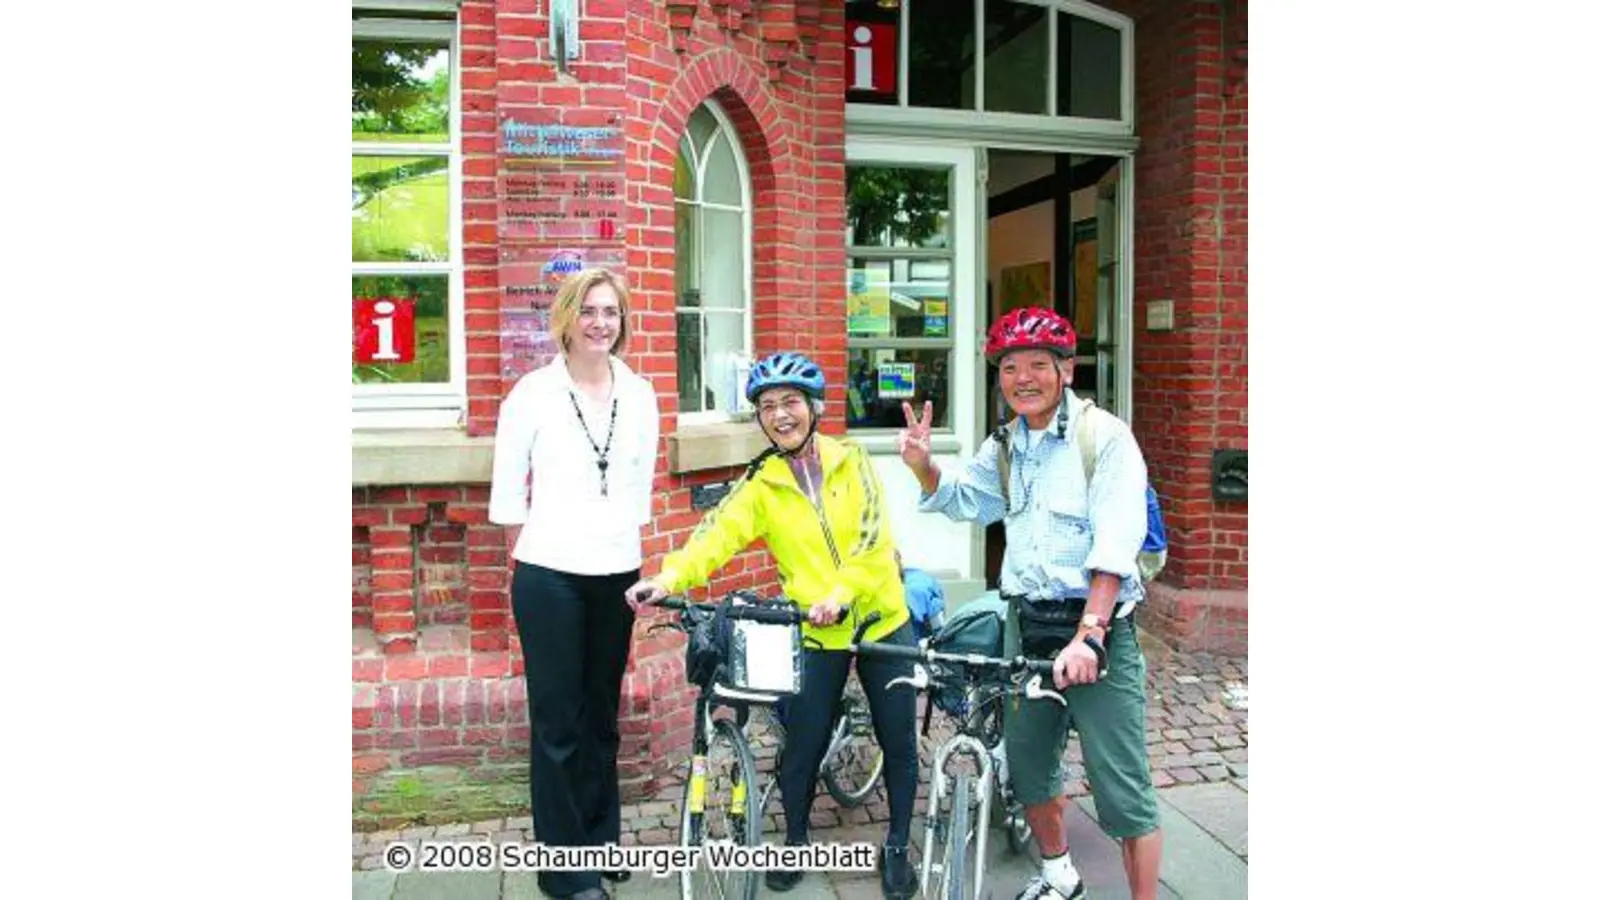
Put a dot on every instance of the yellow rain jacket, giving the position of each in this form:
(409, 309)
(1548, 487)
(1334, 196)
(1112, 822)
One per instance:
(845, 554)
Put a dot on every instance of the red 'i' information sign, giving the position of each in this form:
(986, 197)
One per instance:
(386, 330)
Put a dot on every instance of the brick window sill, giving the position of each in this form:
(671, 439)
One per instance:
(419, 456)
(714, 445)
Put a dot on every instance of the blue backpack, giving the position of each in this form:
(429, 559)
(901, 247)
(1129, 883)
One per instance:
(1152, 556)
(925, 597)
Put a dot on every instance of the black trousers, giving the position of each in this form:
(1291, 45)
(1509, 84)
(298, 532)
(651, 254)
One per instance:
(809, 723)
(576, 633)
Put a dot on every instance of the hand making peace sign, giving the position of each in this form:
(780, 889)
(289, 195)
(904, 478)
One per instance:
(914, 441)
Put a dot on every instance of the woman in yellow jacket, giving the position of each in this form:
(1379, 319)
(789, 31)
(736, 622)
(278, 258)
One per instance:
(817, 503)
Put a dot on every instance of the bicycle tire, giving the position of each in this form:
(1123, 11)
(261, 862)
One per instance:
(955, 855)
(833, 777)
(745, 822)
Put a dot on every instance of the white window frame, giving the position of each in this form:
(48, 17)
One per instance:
(955, 122)
(421, 405)
(725, 131)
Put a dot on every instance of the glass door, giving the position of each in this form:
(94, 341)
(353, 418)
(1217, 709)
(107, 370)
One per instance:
(913, 329)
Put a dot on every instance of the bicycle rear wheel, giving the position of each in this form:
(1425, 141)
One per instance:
(719, 804)
(855, 761)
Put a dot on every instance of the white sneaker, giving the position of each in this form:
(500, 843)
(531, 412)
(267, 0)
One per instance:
(1040, 889)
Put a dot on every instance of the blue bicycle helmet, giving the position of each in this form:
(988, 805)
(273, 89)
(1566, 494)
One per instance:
(785, 370)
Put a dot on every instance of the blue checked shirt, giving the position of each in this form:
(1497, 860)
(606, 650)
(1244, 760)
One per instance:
(1059, 530)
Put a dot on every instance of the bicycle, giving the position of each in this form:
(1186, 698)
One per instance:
(948, 833)
(720, 744)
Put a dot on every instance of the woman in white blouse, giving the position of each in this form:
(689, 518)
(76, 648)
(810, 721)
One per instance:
(586, 427)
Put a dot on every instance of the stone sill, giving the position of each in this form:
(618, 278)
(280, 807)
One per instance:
(715, 445)
(433, 456)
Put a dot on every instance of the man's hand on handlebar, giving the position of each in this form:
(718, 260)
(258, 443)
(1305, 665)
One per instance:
(1076, 664)
(645, 591)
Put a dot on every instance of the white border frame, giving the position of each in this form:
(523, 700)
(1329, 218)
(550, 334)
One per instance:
(725, 131)
(422, 405)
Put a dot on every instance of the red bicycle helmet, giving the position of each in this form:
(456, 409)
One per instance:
(1031, 328)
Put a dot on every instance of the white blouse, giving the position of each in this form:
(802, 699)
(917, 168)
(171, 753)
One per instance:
(568, 525)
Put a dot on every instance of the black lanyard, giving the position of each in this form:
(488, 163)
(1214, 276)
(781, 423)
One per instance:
(600, 455)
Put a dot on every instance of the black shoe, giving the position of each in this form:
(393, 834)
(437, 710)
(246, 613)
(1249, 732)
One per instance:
(781, 880)
(895, 868)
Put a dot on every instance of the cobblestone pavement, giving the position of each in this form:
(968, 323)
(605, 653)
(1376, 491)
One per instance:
(1196, 726)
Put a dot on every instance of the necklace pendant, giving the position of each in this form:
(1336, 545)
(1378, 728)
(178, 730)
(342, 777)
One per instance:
(602, 464)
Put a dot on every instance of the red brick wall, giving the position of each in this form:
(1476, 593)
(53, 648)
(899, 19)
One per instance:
(1190, 384)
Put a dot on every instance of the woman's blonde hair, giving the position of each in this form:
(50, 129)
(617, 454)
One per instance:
(569, 300)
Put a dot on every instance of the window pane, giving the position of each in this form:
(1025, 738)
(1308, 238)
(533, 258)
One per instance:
(1088, 69)
(399, 209)
(400, 91)
(683, 174)
(722, 281)
(689, 382)
(683, 257)
(1016, 48)
(898, 298)
(723, 184)
(430, 362)
(724, 340)
(702, 125)
(898, 207)
(880, 380)
(943, 54)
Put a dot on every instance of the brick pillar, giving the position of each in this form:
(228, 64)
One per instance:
(1190, 383)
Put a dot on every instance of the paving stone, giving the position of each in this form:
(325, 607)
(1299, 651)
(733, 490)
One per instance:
(1222, 810)
(1214, 773)
(1186, 775)
(373, 885)
(447, 886)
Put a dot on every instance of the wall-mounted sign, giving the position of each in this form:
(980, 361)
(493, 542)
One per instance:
(897, 380)
(872, 54)
(385, 330)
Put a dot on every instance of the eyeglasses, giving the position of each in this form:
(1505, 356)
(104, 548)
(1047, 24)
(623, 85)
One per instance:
(793, 403)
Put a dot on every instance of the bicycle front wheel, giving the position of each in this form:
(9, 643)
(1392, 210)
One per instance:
(719, 805)
(955, 853)
(855, 761)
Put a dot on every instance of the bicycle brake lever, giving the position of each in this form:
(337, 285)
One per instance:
(1033, 691)
(917, 681)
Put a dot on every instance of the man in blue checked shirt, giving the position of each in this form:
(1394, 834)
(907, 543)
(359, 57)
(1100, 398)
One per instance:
(1071, 581)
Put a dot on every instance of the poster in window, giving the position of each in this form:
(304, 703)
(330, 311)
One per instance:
(867, 305)
(935, 318)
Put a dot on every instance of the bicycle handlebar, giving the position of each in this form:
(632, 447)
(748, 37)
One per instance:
(764, 614)
(1013, 665)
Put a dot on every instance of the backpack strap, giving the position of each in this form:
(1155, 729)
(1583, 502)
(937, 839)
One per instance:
(1086, 444)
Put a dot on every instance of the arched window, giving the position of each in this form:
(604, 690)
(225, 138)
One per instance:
(712, 187)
